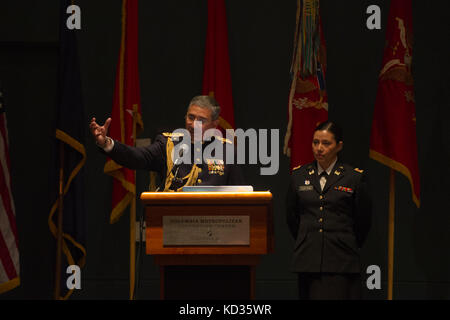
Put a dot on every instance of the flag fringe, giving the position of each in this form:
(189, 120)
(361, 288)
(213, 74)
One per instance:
(9, 285)
(64, 137)
(119, 209)
(398, 167)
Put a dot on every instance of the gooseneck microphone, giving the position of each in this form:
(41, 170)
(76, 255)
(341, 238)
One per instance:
(176, 166)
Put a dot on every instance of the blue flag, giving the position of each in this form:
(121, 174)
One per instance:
(69, 155)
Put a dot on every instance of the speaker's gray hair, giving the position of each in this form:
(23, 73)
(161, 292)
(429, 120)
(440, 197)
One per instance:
(207, 102)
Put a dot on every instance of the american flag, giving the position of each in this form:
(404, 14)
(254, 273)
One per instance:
(9, 251)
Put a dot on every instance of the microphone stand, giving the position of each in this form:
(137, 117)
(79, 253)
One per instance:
(177, 163)
(139, 256)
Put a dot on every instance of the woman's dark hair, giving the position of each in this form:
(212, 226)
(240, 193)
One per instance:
(332, 127)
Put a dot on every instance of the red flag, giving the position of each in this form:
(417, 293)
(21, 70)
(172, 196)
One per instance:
(216, 74)
(308, 102)
(126, 112)
(393, 138)
(9, 251)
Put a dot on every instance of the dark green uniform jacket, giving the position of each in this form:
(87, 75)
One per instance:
(329, 226)
(158, 157)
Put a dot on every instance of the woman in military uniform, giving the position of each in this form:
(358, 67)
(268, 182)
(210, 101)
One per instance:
(328, 214)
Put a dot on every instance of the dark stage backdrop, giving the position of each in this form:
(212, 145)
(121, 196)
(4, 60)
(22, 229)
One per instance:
(171, 49)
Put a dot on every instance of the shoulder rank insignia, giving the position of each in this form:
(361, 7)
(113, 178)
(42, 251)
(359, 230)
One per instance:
(298, 167)
(336, 172)
(359, 170)
(224, 140)
(174, 136)
(171, 134)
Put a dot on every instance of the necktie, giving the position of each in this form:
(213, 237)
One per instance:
(323, 179)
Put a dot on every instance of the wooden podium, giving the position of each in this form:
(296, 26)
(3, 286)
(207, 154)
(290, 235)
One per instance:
(199, 268)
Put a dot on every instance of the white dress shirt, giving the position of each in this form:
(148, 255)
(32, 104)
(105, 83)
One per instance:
(323, 179)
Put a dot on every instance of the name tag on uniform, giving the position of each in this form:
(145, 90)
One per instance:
(305, 188)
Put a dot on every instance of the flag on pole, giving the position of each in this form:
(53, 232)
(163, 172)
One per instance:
(70, 141)
(9, 249)
(126, 111)
(308, 102)
(393, 137)
(126, 124)
(216, 73)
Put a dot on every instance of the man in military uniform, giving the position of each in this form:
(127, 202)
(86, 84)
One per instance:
(166, 153)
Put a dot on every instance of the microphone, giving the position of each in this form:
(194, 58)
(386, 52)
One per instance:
(178, 161)
(183, 148)
(176, 164)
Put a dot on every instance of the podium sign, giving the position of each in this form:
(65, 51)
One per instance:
(206, 230)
